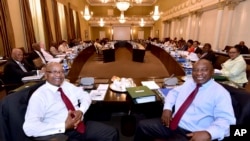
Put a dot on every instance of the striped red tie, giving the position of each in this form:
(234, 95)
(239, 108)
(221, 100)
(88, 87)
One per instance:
(80, 127)
(175, 121)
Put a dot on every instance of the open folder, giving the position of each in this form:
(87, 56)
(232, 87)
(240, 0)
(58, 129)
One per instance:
(141, 94)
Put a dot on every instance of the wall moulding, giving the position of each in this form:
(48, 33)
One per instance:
(197, 6)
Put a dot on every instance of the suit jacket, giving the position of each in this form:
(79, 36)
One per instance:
(14, 74)
(198, 50)
(210, 56)
(33, 55)
(12, 112)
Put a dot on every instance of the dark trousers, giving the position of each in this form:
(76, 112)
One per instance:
(152, 129)
(95, 131)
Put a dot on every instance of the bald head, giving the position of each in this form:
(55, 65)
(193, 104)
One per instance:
(202, 71)
(17, 54)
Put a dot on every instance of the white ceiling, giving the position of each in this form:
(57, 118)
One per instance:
(132, 20)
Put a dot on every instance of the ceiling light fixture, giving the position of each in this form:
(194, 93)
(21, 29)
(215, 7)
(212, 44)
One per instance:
(138, 1)
(87, 14)
(123, 5)
(156, 13)
(122, 18)
(101, 23)
(142, 23)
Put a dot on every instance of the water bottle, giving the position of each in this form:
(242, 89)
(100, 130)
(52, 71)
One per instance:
(65, 65)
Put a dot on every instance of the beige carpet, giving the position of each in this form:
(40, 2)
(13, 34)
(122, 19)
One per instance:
(123, 66)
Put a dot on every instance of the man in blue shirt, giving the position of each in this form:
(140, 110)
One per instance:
(208, 117)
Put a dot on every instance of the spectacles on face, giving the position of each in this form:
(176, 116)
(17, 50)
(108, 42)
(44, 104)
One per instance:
(55, 72)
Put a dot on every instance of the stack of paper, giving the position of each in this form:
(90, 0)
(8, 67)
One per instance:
(99, 93)
(150, 84)
(33, 77)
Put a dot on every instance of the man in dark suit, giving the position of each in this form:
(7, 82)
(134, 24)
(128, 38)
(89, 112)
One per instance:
(16, 68)
(197, 49)
(207, 53)
(243, 48)
(36, 53)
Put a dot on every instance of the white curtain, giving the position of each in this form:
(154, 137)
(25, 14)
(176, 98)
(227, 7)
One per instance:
(35, 8)
(62, 20)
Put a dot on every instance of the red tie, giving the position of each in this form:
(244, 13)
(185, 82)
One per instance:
(80, 127)
(175, 121)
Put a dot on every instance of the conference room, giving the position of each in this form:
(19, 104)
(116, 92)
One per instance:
(134, 35)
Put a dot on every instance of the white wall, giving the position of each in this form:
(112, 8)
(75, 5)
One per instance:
(231, 31)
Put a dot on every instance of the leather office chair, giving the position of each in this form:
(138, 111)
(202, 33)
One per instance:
(12, 112)
(38, 63)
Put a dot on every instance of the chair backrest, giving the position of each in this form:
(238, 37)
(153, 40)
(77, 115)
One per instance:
(12, 111)
(38, 62)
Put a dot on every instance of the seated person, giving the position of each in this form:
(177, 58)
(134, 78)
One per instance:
(190, 46)
(63, 47)
(53, 49)
(56, 109)
(243, 48)
(206, 116)
(98, 46)
(235, 67)
(207, 53)
(36, 53)
(46, 54)
(17, 67)
(197, 49)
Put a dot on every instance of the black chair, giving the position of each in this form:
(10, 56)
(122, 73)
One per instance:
(12, 111)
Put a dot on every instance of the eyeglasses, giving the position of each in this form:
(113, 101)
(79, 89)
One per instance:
(55, 72)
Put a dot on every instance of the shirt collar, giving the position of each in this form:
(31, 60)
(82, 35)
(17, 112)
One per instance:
(53, 88)
(205, 84)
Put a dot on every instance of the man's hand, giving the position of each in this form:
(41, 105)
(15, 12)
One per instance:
(73, 119)
(199, 136)
(166, 117)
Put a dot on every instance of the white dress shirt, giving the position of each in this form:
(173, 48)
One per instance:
(211, 110)
(46, 55)
(40, 55)
(46, 112)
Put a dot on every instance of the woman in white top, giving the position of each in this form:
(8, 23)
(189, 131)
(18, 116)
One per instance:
(235, 67)
(63, 47)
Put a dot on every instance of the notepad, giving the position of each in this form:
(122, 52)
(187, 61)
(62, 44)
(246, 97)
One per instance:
(99, 93)
(150, 84)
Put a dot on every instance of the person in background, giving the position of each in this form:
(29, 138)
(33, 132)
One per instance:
(207, 53)
(207, 117)
(17, 67)
(182, 45)
(53, 49)
(63, 47)
(49, 117)
(243, 48)
(36, 53)
(190, 46)
(235, 67)
(46, 54)
(197, 49)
